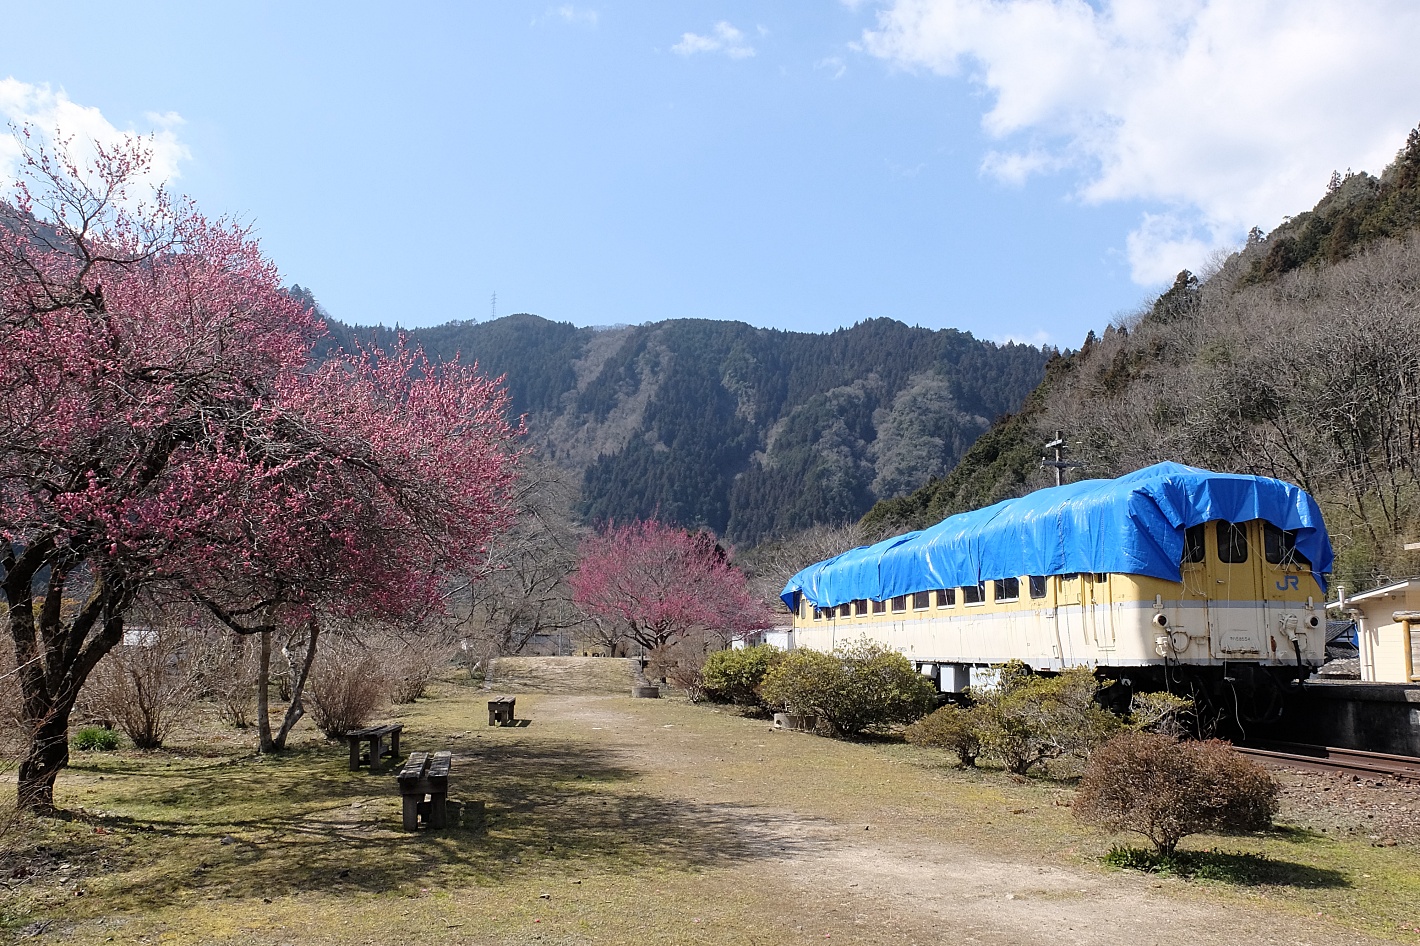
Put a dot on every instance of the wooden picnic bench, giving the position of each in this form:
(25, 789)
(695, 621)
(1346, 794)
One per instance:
(424, 783)
(500, 711)
(375, 736)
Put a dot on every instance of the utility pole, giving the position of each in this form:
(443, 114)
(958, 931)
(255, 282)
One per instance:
(1059, 463)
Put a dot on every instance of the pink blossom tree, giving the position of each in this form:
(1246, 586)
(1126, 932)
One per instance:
(164, 432)
(652, 584)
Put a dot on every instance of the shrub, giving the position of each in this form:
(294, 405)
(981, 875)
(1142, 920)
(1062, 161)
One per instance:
(951, 727)
(1030, 718)
(1166, 790)
(858, 687)
(229, 671)
(679, 663)
(95, 739)
(409, 667)
(345, 688)
(1162, 713)
(147, 688)
(734, 676)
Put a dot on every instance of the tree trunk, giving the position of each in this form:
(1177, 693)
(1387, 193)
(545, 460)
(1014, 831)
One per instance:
(53, 657)
(263, 696)
(48, 752)
(294, 710)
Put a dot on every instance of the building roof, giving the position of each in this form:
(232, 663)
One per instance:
(1132, 525)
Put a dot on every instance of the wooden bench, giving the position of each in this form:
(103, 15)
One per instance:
(375, 736)
(500, 711)
(424, 783)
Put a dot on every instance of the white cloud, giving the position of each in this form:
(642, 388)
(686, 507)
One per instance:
(59, 122)
(723, 39)
(1224, 115)
(833, 63)
(567, 13)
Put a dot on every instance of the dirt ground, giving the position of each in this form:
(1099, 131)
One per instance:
(612, 820)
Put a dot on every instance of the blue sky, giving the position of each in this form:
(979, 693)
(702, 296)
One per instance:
(1015, 168)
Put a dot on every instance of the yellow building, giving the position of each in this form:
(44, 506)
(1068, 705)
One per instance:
(1390, 652)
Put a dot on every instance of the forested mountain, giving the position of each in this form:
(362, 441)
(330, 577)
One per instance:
(751, 432)
(1298, 358)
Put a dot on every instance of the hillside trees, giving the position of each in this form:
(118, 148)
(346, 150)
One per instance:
(522, 593)
(1304, 371)
(752, 433)
(651, 585)
(163, 434)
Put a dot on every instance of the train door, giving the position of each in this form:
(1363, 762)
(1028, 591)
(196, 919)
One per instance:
(1095, 588)
(1076, 640)
(1284, 581)
(1197, 578)
(1043, 601)
(1236, 615)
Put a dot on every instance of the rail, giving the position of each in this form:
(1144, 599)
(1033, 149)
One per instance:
(1330, 759)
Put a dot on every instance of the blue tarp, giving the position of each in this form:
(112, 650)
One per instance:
(1132, 525)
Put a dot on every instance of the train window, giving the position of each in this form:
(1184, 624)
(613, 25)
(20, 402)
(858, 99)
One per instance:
(879, 607)
(946, 597)
(921, 600)
(1007, 589)
(818, 614)
(845, 610)
(973, 594)
(1280, 546)
(1070, 577)
(1037, 586)
(1272, 544)
(899, 603)
(1100, 577)
(860, 607)
(1193, 551)
(1232, 543)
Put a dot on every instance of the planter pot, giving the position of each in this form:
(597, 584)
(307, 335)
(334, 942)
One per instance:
(795, 722)
(648, 692)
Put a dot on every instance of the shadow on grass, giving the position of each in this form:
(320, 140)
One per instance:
(1236, 868)
(300, 824)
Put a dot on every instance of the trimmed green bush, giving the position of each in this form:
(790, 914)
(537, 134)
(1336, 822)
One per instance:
(951, 727)
(858, 687)
(1028, 718)
(734, 676)
(95, 739)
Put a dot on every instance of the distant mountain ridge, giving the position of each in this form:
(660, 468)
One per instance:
(751, 432)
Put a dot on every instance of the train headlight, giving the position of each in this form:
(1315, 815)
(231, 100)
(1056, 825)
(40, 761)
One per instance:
(1161, 619)
(1313, 621)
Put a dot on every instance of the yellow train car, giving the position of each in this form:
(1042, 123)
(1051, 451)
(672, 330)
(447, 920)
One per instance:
(1239, 597)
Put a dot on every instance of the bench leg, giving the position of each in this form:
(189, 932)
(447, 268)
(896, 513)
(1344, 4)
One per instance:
(438, 810)
(354, 754)
(411, 812)
(376, 750)
(394, 745)
(492, 716)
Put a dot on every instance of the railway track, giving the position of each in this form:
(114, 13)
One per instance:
(1328, 759)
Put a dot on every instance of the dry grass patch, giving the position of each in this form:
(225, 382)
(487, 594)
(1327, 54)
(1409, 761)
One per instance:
(612, 820)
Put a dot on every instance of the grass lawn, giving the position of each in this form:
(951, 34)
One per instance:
(612, 820)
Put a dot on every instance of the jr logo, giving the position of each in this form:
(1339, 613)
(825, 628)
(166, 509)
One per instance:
(1288, 581)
